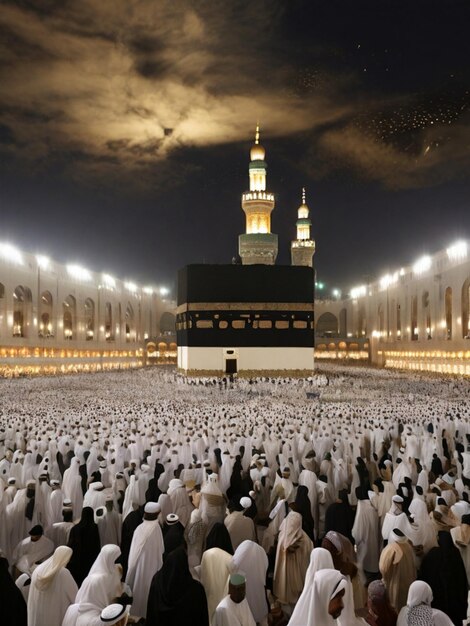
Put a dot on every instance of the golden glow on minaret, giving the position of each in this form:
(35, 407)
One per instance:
(303, 248)
(258, 244)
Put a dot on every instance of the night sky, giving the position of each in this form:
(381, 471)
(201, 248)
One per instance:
(125, 129)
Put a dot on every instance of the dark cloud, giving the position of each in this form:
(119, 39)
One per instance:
(107, 79)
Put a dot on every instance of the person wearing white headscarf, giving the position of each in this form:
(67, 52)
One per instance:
(250, 558)
(104, 573)
(145, 558)
(418, 610)
(194, 534)
(212, 503)
(52, 590)
(324, 604)
(319, 559)
(181, 504)
(95, 496)
(348, 616)
(214, 574)
(72, 485)
(292, 559)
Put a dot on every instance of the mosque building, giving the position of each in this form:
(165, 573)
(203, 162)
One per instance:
(58, 318)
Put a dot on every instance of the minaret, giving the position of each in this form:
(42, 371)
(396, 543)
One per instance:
(258, 244)
(303, 248)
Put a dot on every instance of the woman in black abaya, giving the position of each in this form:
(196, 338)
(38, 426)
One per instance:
(175, 598)
(11, 599)
(443, 569)
(84, 539)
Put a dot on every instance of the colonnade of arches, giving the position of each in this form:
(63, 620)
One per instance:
(62, 319)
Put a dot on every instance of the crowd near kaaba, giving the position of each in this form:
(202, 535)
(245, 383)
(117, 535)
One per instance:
(148, 497)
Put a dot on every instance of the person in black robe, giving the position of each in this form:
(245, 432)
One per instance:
(236, 488)
(340, 516)
(219, 537)
(14, 611)
(175, 598)
(153, 491)
(173, 534)
(302, 505)
(130, 523)
(443, 569)
(84, 539)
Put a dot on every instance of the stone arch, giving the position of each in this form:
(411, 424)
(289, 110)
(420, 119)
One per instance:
(162, 347)
(448, 312)
(327, 325)
(69, 317)
(466, 309)
(46, 302)
(414, 318)
(167, 322)
(426, 313)
(22, 311)
(89, 319)
(108, 322)
(130, 323)
(361, 322)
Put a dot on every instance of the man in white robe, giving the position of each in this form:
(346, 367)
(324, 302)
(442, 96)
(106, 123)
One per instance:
(240, 527)
(145, 558)
(234, 609)
(95, 496)
(52, 590)
(366, 533)
(32, 551)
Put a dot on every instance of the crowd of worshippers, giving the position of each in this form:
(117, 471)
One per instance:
(307, 521)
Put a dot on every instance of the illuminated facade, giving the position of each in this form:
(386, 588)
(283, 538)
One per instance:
(417, 317)
(58, 318)
(258, 245)
(303, 248)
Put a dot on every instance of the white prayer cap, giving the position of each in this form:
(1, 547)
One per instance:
(252, 494)
(113, 613)
(145, 467)
(245, 502)
(103, 464)
(55, 482)
(96, 486)
(397, 499)
(67, 502)
(11, 481)
(152, 507)
(172, 518)
(387, 462)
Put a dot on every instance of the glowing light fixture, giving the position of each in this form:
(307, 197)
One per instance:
(164, 291)
(109, 281)
(132, 287)
(422, 265)
(148, 291)
(78, 272)
(43, 261)
(387, 280)
(358, 292)
(10, 253)
(457, 251)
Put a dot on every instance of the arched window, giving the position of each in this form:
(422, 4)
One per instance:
(46, 328)
(22, 309)
(381, 321)
(327, 325)
(130, 323)
(398, 321)
(466, 309)
(448, 312)
(69, 317)
(414, 318)
(108, 322)
(361, 322)
(89, 319)
(427, 314)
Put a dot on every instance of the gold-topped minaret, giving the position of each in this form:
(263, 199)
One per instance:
(258, 244)
(303, 248)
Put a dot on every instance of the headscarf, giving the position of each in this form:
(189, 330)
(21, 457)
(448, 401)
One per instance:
(290, 531)
(327, 583)
(11, 598)
(172, 580)
(380, 604)
(419, 604)
(48, 570)
(319, 559)
(302, 505)
(219, 537)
